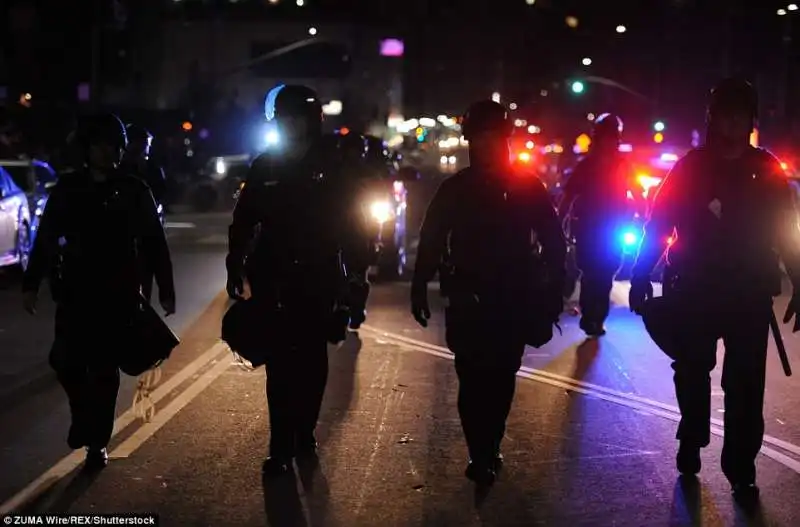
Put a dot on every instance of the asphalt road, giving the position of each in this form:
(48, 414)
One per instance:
(590, 439)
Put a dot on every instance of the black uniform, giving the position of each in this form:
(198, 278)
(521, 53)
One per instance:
(597, 192)
(730, 217)
(101, 231)
(286, 240)
(478, 233)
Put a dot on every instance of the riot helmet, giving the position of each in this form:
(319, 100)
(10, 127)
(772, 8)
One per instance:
(139, 140)
(733, 96)
(101, 139)
(486, 117)
(291, 105)
(607, 127)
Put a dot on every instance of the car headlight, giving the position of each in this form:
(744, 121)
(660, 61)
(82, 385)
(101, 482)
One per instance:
(381, 211)
(220, 167)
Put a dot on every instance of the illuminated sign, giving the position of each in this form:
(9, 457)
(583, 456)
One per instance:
(392, 47)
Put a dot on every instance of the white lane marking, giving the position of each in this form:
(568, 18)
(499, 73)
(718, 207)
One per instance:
(631, 401)
(161, 418)
(214, 239)
(179, 225)
(72, 461)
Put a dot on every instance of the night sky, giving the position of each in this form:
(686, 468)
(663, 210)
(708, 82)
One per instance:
(457, 50)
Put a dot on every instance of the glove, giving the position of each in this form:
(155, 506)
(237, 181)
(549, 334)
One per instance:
(641, 291)
(167, 304)
(793, 311)
(235, 287)
(420, 309)
(235, 283)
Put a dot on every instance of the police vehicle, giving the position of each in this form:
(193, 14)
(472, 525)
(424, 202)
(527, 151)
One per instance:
(387, 203)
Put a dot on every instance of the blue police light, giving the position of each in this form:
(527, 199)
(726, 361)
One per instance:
(629, 238)
(271, 138)
(269, 102)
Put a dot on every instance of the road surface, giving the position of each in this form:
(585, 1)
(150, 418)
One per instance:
(590, 439)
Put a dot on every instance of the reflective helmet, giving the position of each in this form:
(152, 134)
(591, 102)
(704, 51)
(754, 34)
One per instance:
(486, 116)
(354, 145)
(733, 95)
(606, 126)
(104, 128)
(293, 101)
(138, 133)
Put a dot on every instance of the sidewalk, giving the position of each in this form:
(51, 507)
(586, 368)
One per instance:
(392, 454)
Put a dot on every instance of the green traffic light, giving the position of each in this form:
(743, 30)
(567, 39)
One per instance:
(577, 87)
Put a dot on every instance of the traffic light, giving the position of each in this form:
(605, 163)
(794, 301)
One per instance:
(577, 87)
(659, 126)
(658, 137)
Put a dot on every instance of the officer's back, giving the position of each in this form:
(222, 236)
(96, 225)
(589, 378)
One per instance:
(485, 215)
(717, 248)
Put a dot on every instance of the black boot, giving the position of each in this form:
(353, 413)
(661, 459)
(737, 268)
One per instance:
(746, 494)
(688, 459)
(96, 458)
(357, 317)
(498, 462)
(276, 466)
(481, 473)
(592, 328)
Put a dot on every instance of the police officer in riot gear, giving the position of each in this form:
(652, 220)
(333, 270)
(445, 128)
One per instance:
(733, 213)
(137, 159)
(103, 222)
(595, 196)
(494, 237)
(285, 240)
(138, 162)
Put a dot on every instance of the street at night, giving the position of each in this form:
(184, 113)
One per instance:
(589, 441)
(419, 263)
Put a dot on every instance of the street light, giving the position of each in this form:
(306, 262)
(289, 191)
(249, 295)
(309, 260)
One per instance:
(530, 2)
(621, 29)
(312, 31)
(792, 7)
(496, 97)
(586, 61)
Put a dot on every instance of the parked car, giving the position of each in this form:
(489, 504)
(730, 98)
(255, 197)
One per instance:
(35, 178)
(16, 233)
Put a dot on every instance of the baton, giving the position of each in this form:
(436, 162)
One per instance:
(776, 333)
